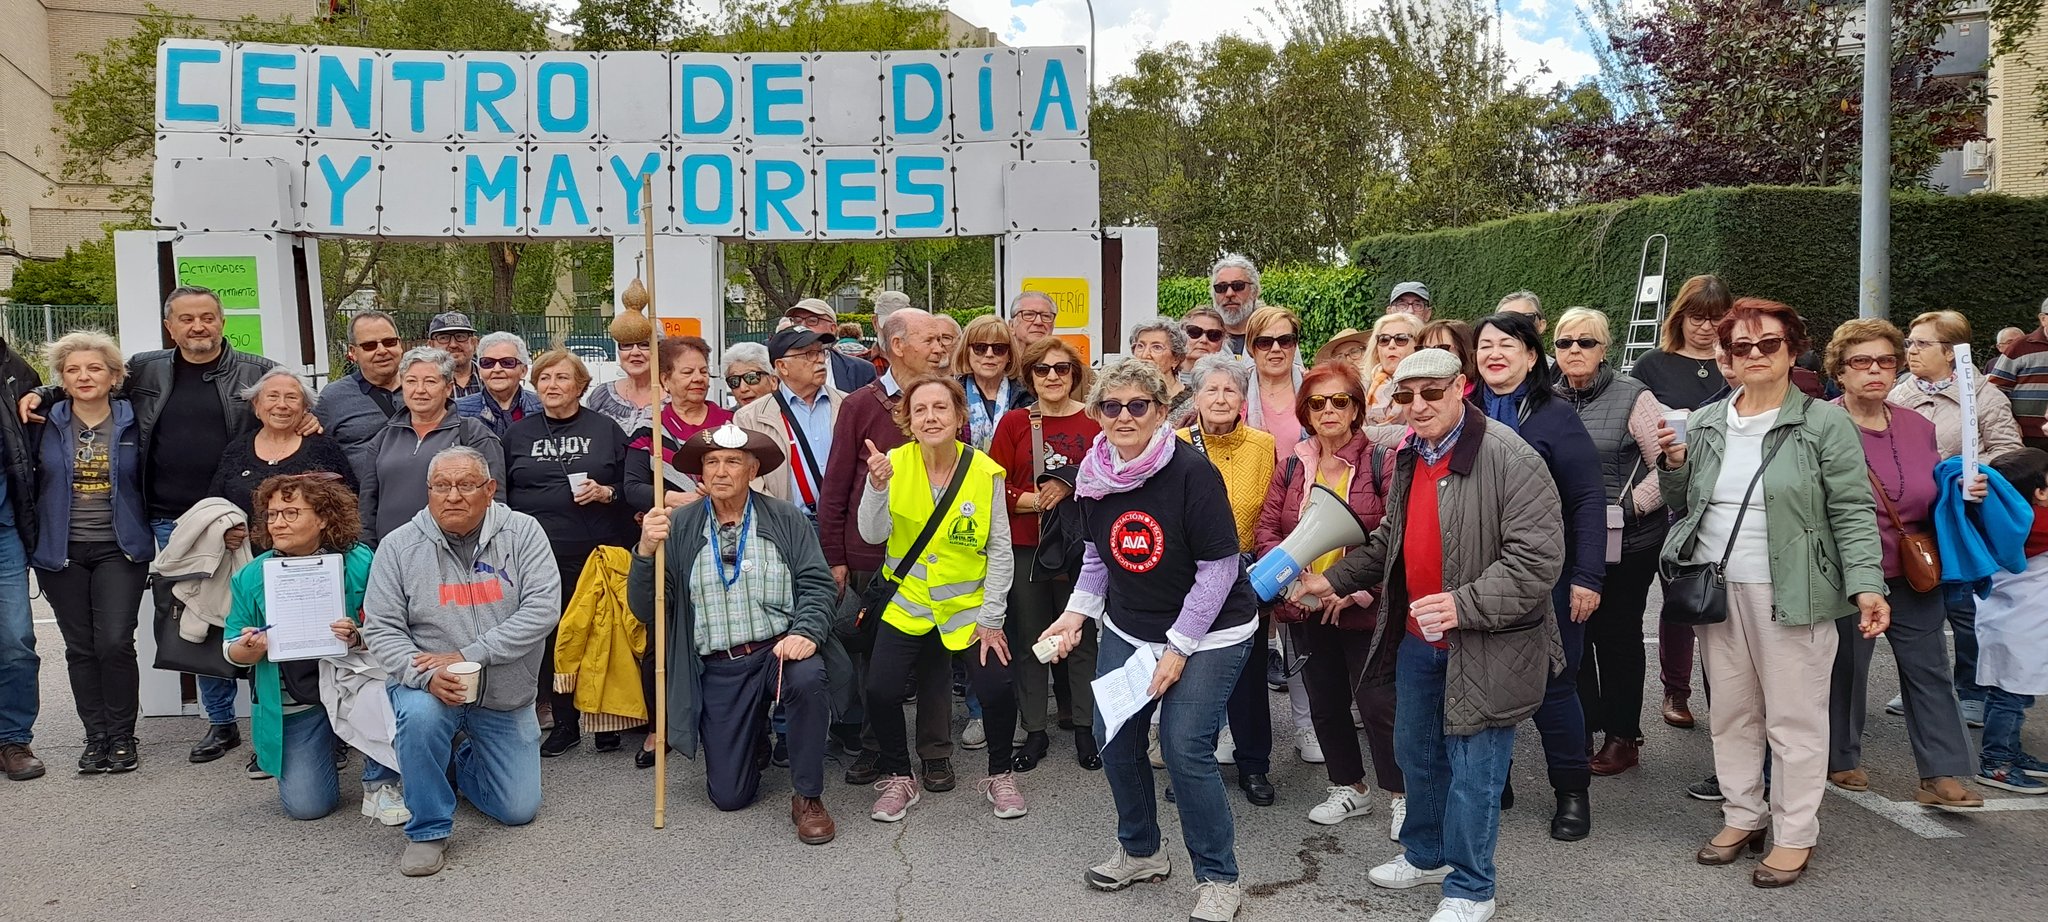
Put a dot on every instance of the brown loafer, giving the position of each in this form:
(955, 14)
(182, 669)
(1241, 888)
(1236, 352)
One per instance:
(1852, 780)
(813, 824)
(1946, 793)
(1677, 713)
(1617, 756)
(1770, 878)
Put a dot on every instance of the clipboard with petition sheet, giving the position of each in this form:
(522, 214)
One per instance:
(302, 598)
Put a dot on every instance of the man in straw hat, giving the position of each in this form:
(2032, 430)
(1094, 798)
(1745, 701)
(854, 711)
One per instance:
(750, 605)
(1468, 550)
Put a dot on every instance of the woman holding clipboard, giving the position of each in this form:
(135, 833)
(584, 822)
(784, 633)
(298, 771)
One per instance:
(306, 515)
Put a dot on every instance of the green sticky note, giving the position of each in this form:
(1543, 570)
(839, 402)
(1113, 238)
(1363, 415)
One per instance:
(244, 332)
(231, 277)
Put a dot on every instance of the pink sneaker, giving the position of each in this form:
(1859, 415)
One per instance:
(898, 793)
(1002, 791)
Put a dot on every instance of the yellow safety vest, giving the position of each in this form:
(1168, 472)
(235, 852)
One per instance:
(944, 586)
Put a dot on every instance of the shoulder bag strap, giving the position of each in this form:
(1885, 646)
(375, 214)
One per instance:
(803, 443)
(1378, 455)
(1889, 510)
(1729, 552)
(1195, 439)
(931, 525)
(1037, 445)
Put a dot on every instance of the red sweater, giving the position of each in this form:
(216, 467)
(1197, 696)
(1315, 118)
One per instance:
(1423, 540)
(865, 414)
(1067, 436)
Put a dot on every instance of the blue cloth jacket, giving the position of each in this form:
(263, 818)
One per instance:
(1979, 539)
(54, 462)
(1553, 428)
(482, 406)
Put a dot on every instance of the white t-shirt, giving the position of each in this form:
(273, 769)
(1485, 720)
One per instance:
(1751, 562)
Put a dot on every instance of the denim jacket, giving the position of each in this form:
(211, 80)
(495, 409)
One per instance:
(54, 462)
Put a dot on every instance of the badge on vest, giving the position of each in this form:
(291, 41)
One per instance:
(963, 533)
(967, 509)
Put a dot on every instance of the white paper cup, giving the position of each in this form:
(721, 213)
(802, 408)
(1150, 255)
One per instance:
(1428, 622)
(576, 482)
(1676, 420)
(470, 675)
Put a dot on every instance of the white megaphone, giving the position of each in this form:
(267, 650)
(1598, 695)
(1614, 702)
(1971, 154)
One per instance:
(1326, 525)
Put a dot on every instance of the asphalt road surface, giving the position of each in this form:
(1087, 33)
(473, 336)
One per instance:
(180, 841)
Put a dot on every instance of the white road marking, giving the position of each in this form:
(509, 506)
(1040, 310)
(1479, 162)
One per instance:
(1908, 815)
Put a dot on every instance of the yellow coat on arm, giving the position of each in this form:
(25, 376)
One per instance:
(598, 646)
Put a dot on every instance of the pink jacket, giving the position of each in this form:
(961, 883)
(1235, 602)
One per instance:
(1281, 511)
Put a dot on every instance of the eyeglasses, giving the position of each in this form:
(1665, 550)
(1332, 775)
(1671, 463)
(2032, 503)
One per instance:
(286, 515)
(1316, 402)
(1032, 316)
(1768, 345)
(1587, 343)
(1232, 287)
(1349, 353)
(749, 379)
(1447, 347)
(813, 354)
(1063, 369)
(1284, 341)
(451, 337)
(488, 364)
(87, 445)
(466, 488)
(1195, 332)
(1430, 394)
(372, 345)
(1002, 349)
(1863, 362)
(1915, 345)
(1705, 320)
(635, 347)
(1111, 409)
(1388, 339)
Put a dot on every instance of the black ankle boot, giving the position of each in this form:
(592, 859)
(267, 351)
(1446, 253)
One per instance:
(1028, 755)
(1574, 817)
(1084, 749)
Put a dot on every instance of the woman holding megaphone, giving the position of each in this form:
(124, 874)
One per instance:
(1342, 458)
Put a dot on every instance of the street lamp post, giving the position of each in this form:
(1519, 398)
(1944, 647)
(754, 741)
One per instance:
(1874, 270)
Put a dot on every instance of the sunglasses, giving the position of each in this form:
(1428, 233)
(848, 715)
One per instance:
(1863, 362)
(990, 348)
(1111, 409)
(1284, 341)
(1587, 343)
(1430, 394)
(1062, 369)
(1316, 402)
(372, 345)
(635, 347)
(1388, 339)
(1195, 332)
(749, 379)
(488, 364)
(1768, 345)
(1232, 287)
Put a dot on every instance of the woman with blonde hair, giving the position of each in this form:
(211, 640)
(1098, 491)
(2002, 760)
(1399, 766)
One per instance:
(1395, 336)
(989, 363)
(1272, 339)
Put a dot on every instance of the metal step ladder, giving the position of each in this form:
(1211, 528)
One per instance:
(1646, 318)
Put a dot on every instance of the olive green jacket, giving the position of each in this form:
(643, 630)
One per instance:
(1819, 514)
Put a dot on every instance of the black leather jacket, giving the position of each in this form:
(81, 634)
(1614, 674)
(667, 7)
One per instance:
(16, 379)
(149, 382)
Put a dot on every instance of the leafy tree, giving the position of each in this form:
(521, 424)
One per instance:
(83, 275)
(1761, 91)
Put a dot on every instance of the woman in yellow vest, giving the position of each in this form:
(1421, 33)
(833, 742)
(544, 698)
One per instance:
(951, 597)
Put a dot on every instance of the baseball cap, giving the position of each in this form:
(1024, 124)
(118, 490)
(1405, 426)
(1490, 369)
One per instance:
(813, 306)
(450, 322)
(1409, 288)
(1428, 363)
(787, 341)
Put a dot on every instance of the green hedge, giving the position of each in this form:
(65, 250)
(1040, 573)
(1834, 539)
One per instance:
(1327, 298)
(1984, 255)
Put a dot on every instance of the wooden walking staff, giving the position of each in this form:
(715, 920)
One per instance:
(639, 297)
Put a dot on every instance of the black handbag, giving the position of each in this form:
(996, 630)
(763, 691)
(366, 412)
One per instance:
(176, 654)
(882, 586)
(1697, 593)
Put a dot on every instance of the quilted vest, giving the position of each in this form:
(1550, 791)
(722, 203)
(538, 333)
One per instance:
(1604, 408)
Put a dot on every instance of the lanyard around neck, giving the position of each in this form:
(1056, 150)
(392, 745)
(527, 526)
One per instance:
(739, 557)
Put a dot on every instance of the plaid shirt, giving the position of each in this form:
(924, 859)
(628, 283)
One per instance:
(756, 607)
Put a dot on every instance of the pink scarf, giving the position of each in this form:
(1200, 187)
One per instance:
(1102, 474)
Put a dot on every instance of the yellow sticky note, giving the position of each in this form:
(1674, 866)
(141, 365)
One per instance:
(1069, 297)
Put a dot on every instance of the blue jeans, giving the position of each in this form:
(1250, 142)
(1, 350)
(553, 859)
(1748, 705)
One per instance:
(1190, 716)
(2004, 714)
(1962, 621)
(497, 767)
(308, 786)
(216, 695)
(1454, 782)
(19, 664)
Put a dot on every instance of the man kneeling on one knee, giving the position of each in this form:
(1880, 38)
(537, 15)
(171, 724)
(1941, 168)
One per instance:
(467, 582)
(749, 604)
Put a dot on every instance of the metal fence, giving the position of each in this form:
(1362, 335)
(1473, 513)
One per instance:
(29, 326)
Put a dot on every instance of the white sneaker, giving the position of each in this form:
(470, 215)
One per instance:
(1973, 713)
(1343, 803)
(975, 736)
(1226, 748)
(1152, 749)
(1309, 748)
(1453, 909)
(1216, 901)
(1398, 807)
(1357, 719)
(1398, 874)
(1123, 870)
(1896, 707)
(386, 805)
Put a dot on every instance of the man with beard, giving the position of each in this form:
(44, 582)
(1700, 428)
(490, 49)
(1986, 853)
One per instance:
(1234, 290)
(453, 331)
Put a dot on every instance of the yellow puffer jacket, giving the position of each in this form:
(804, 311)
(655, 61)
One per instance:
(598, 646)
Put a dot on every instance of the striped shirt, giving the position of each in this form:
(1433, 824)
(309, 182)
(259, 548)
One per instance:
(756, 607)
(2023, 374)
